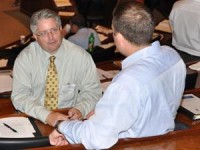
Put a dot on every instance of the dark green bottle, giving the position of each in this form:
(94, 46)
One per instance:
(91, 40)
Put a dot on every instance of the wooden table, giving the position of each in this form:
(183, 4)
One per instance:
(176, 140)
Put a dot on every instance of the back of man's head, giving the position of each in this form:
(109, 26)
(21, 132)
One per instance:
(78, 20)
(133, 21)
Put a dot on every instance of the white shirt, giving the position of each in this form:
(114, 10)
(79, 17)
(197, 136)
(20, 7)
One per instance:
(185, 22)
(81, 37)
(141, 101)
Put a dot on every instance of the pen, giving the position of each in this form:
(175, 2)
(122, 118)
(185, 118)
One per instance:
(6, 125)
(104, 76)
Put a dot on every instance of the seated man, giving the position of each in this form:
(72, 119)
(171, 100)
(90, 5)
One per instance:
(184, 19)
(143, 98)
(80, 32)
(75, 83)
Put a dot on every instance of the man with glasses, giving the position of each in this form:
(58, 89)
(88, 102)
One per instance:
(143, 98)
(78, 86)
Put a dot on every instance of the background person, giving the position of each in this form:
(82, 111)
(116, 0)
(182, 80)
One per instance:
(143, 98)
(80, 32)
(184, 19)
(79, 86)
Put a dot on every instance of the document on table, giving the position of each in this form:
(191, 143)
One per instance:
(6, 81)
(164, 26)
(105, 85)
(106, 74)
(190, 105)
(16, 127)
(195, 66)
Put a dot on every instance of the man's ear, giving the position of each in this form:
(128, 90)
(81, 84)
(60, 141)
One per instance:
(35, 37)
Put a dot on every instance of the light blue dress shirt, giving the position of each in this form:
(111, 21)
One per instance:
(141, 101)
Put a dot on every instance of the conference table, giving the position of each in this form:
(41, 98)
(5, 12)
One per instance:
(176, 140)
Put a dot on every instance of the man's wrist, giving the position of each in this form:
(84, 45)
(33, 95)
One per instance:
(57, 126)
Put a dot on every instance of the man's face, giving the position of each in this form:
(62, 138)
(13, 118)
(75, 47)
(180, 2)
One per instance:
(48, 35)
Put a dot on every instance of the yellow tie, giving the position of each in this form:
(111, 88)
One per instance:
(51, 93)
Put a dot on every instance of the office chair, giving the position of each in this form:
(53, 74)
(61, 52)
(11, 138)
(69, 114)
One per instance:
(22, 143)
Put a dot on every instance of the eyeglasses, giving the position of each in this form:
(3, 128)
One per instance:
(45, 34)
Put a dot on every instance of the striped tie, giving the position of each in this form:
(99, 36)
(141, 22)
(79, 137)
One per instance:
(51, 92)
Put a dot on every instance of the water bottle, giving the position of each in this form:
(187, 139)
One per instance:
(91, 40)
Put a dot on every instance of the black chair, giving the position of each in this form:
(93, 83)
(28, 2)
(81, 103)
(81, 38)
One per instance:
(95, 13)
(23, 143)
(180, 126)
(191, 78)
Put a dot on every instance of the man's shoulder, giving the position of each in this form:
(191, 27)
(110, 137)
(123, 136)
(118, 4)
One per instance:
(29, 51)
(72, 48)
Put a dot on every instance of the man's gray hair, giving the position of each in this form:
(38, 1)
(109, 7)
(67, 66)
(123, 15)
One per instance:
(43, 14)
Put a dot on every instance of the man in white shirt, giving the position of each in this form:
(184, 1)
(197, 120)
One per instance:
(143, 98)
(185, 23)
(80, 32)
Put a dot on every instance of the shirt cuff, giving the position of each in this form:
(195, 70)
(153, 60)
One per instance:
(42, 115)
(63, 126)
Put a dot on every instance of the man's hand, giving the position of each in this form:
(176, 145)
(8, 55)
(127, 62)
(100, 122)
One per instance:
(56, 138)
(74, 113)
(53, 117)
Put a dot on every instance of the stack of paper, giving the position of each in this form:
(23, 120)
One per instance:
(16, 127)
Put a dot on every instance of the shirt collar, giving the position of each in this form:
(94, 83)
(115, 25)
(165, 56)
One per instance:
(148, 51)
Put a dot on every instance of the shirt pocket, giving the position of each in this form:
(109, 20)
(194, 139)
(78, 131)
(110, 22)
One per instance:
(68, 93)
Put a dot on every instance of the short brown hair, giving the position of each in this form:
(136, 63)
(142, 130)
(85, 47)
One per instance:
(133, 21)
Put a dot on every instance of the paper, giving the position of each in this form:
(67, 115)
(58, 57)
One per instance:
(106, 74)
(105, 85)
(3, 62)
(21, 125)
(6, 81)
(164, 26)
(195, 66)
(191, 103)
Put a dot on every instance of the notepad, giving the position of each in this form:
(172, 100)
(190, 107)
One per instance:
(190, 105)
(21, 125)
(106, 74)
